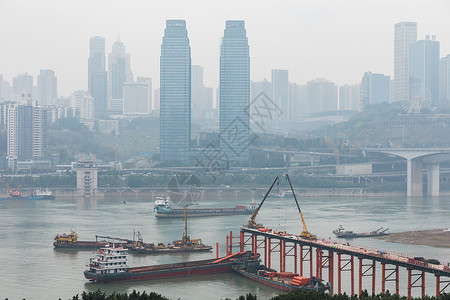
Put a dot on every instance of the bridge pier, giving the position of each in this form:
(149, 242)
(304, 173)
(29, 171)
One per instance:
(433, 180)
(414, 177)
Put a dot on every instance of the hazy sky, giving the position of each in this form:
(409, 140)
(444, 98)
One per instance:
(333, 39)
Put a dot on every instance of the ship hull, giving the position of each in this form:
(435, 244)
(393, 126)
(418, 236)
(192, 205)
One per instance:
(203, 212)
(188, 269)
(170, 250)
(86, 245)
(280, 285)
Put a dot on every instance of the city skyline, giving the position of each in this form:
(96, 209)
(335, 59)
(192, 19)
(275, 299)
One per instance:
(278, 42)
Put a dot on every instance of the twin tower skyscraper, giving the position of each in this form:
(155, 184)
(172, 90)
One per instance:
(175, 97)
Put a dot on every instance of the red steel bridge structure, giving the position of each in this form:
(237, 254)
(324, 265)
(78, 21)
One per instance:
(337, 257)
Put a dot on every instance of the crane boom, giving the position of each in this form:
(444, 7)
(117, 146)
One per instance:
(305, 232)
(252, 222)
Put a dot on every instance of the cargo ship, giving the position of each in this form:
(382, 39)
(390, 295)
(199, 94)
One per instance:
(252, 269)
(110, 264)
(165, 209)
(71, 241)
(342, 233)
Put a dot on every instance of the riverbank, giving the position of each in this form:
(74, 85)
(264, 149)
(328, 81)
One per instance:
(433, 237)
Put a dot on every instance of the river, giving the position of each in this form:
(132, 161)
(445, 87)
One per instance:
(32, 269)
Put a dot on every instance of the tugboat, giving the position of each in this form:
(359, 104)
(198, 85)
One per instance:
(285, 281)
(342, 233)
(186, 244)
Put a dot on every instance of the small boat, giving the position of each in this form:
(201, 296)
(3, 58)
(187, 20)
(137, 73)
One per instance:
(342, 233)
(41, 195)
(110, 264)
(285, 281)
(166, 209)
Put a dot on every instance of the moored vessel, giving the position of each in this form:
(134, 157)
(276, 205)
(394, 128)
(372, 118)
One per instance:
(285, 281)
(166, 209)
(70, 241)
(110, 264)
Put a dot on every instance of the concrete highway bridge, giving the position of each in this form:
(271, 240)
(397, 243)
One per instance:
(415, 158)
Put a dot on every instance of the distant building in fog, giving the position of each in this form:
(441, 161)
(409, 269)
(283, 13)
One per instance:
(280, 95)
(5, 89)
(201, 96)
(405, 33)
(118, 72)
(444, 79)
(322, 96)
(135, 98)
(349, 97)
(97, 76)
(424, 69)
(22, 84)
(84, 106)
(175, 97)
(298, 95)
(234, 91)
(375, 88)
(148, 82)
(47, 87)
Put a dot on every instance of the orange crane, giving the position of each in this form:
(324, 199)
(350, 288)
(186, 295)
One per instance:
(305, 233)
(16, 193)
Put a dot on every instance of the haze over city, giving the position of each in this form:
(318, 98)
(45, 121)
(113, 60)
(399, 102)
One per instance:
(335, 40)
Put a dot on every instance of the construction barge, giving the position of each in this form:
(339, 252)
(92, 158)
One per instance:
(342, 233)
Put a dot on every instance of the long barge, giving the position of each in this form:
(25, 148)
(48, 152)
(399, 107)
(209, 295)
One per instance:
(342, 233)
(110, 264)
(70, 241)
(164, 209)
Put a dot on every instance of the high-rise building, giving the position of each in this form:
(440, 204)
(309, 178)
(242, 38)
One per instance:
(27, 132)
(148, 81)
(322, 96)
(349, 97)
(444, 79)
(405, 33)
(375, 88)
(175, 93)
(424, 69)
(5, 89)
(280, 95)
(119, 72)
(202, 96)
(83, 104)
(135, 98)
(235, 92)
(298, 95)
(47, 87)
(97, 77)
(22, 85)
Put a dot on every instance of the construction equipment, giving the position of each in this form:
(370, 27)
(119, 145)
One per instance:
(305, 233)
(14, 194)
(251, 222)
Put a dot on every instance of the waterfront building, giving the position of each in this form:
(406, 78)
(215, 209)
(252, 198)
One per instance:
(97, 76)
(87, 178)
(235, 92)
(375, 88)
(27, 136)
(424, 69)
(47, 87)
(175, 93)
(444, 79)
(405, 33)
